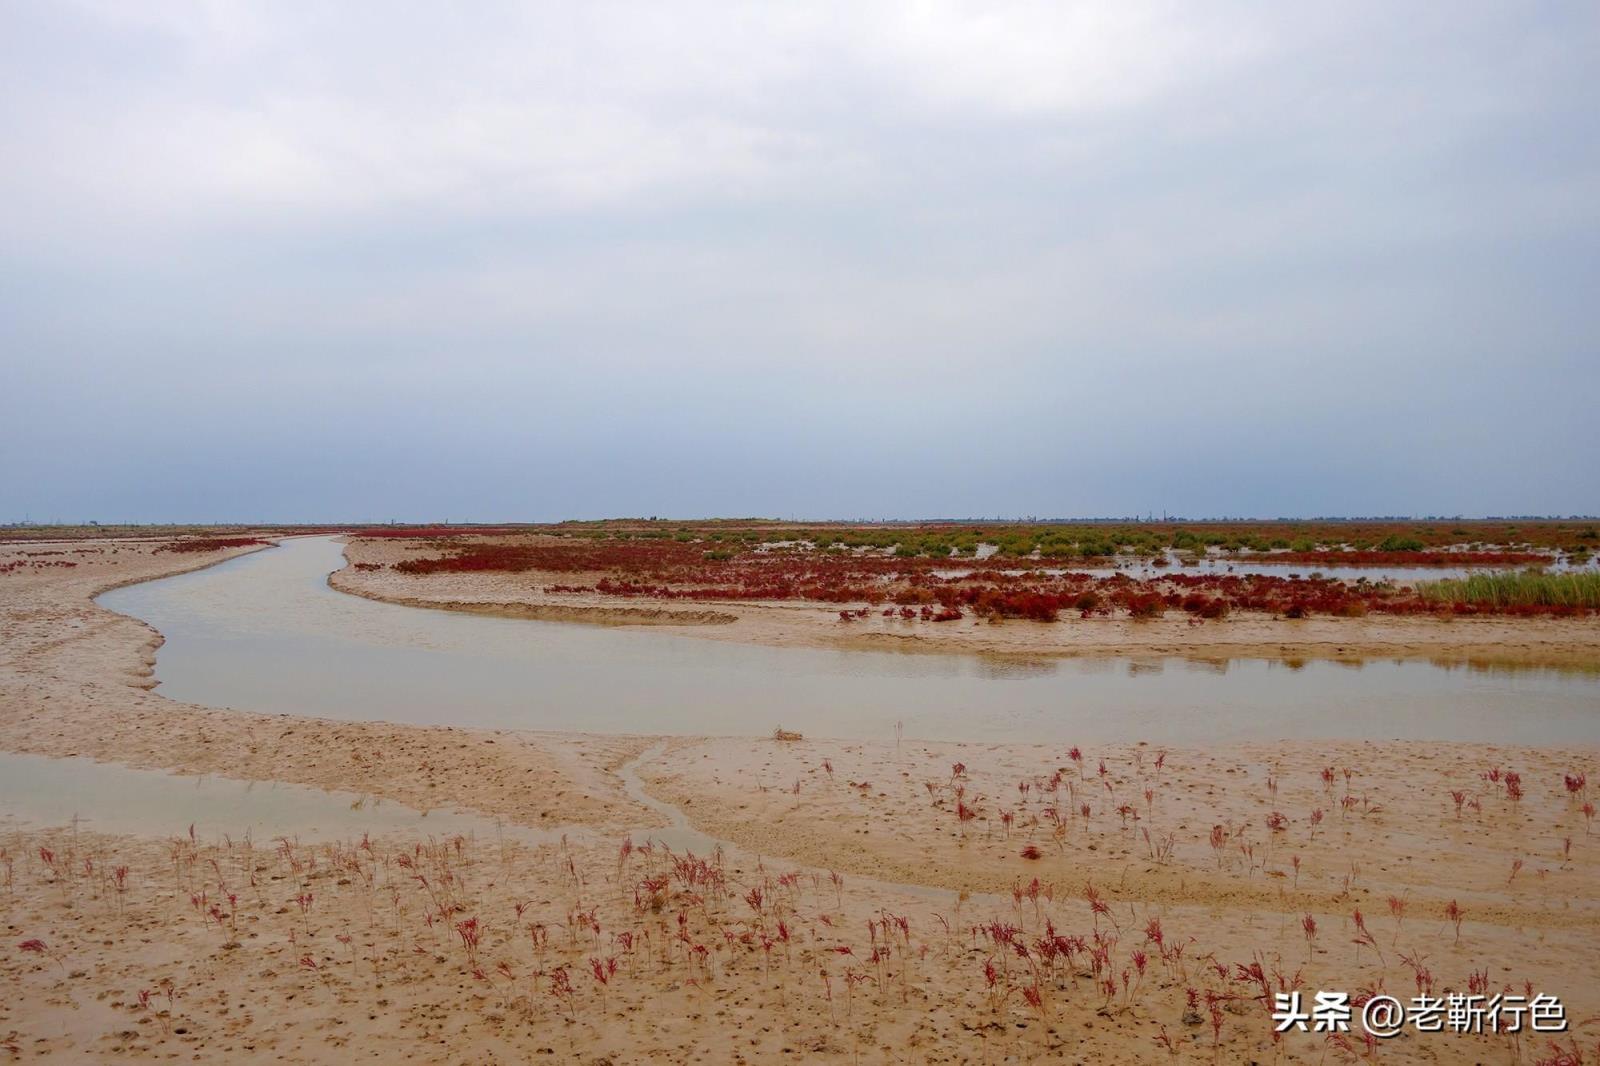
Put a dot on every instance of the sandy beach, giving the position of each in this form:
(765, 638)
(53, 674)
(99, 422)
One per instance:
(896, 902)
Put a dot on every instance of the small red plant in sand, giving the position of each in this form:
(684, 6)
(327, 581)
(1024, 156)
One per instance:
(40, 948)
(1098, 907)
(964, 814)
(1219, 841)
(603, 972)
(119, 882)
(470, 934)
(145, 996)
(1214, 1008)
(561, 990)
(1453, 913)
(1363, 938)
(1035, 999)
(1397, 911)
(1571, 1055)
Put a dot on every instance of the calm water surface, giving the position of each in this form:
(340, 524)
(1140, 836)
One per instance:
(107, 798)
(265, 633)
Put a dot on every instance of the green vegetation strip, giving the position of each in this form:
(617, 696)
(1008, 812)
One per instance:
(1528, 588)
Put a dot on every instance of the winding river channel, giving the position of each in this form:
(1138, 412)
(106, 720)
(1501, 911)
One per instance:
(264, 632)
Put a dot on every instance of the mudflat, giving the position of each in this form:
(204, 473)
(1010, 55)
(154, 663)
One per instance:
(889, 901)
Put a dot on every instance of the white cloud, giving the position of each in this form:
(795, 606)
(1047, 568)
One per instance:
(1075, 58)
(214, 112)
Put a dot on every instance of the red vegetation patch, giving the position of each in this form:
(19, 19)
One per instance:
(428, 532)
(564, 556)
(720, 563)
(210, 544)
(1205, 606)
(30, 564)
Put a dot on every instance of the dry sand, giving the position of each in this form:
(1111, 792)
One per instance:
(332, 952)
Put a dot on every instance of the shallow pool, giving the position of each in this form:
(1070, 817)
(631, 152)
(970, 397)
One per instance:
(109, 798)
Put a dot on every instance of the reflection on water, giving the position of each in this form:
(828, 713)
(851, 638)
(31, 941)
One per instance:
(1509, 670)
(265, 633)
(1012, 668)
(108, 798)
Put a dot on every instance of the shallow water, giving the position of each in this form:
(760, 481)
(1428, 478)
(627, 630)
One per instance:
(265, 633)
(1218, 565)
(108, 798)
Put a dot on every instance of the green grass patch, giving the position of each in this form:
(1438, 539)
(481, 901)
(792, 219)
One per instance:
(1527, 588)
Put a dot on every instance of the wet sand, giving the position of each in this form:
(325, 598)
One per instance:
(327, 953)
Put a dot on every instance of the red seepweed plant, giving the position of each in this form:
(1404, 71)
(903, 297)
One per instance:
(1454, 914)
(1363, 938)
(471, 934)
(1397, 911)
(38, 947)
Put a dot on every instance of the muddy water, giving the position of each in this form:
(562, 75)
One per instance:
(265, 633)
(108, 798)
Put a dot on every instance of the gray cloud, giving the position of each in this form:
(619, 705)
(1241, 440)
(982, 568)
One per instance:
(282, 261)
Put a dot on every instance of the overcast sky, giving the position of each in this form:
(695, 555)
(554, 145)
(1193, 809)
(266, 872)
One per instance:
(364, 261)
